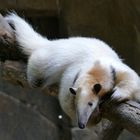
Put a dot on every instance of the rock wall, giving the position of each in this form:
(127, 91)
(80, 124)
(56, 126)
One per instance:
(32, 115)
(116, 22)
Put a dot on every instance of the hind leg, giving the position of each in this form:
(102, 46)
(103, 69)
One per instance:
(37, 68)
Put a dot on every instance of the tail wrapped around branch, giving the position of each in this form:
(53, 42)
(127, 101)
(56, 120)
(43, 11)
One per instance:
(26, 36)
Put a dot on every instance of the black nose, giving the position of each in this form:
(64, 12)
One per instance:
(81, 125)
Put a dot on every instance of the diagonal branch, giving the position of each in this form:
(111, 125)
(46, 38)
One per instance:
(110, 131)
(6, 32)
(125, 114)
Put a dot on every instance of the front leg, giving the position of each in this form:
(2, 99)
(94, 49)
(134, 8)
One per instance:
(120, 95)
(126, 85)
(35, 75)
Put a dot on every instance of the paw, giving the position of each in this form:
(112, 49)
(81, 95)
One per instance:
(37, 83)
(119, 96)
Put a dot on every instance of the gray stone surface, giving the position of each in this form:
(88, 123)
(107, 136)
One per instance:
(20, 122)
(85, 134)
(44, 104)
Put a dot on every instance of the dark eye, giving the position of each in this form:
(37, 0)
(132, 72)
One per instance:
(73, 91)
(97, 88)
(90, 103)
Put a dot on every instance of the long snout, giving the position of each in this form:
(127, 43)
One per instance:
(82, 119)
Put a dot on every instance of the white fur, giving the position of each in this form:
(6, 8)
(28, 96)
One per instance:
(25, 34)
(60, 61)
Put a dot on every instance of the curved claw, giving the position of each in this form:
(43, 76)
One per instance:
(119, 96)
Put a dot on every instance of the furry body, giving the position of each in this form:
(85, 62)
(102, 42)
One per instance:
(79, 63)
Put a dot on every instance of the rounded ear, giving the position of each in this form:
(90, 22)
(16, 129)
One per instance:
(97, 88)
(72, 90)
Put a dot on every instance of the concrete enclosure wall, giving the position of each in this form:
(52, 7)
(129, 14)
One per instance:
(30, 115)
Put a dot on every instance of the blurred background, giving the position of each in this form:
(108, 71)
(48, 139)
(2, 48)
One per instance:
(27, 114)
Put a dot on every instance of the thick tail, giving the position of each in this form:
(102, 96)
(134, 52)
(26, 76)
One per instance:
(26, 37)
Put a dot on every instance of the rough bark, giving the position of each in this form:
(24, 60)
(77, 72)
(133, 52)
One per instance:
(125, 115)
(15, 73)
(110, 131)
(6, 32)
(8, 46)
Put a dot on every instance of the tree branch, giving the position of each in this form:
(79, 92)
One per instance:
(110, 131)
(6, 32)
(125, 114)
(9, 49)
(15, 73)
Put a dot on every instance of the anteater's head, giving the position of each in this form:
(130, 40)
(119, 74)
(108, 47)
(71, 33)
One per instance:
(88, 91)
